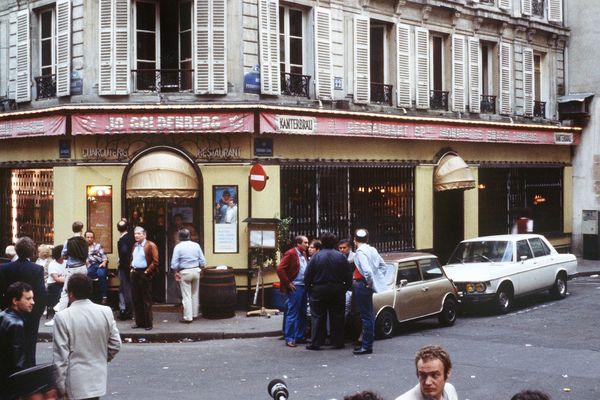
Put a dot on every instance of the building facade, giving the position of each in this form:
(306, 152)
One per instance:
(424, 121)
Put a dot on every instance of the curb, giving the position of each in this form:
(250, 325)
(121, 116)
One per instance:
(177, 337)
(588, 273)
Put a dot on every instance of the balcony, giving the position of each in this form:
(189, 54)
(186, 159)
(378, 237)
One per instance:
(488, 2)
(488, 104)
(537, 8)
(162, 80)
(438, 100)
(45, 87)
(381, 93)
(539, 109)
(295, 84)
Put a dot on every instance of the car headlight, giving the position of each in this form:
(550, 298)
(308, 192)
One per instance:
(475, 287)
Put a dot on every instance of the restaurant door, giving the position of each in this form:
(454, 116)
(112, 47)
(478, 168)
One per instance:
(163, 195)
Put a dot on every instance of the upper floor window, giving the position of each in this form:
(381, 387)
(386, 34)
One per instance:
(381, 90)
(537, 8)
(47, 42)
(437, 73)
(489, 77)
(291, 40)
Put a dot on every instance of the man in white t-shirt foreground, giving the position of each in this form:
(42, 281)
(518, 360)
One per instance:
(433, 370)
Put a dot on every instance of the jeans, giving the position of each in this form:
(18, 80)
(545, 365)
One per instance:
(95, 272)
(364, 300)
(295, 319)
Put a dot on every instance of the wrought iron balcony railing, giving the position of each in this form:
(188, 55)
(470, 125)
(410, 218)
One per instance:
(537, 8)
(488, 104)
(488, 2)
(438, 100)
(539, 109)
(45, 86)
(295, 84)
(162, 80)
(381, 93)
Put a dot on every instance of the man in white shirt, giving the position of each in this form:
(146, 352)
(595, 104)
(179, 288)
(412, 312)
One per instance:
(186, 262)
(433, 370)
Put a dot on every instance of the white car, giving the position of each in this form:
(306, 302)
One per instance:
(499, 268)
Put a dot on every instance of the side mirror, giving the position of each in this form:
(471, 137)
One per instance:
(523, 258)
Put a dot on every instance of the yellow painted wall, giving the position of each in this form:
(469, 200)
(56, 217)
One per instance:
(424, 207)
(471, 212)
(568, 200)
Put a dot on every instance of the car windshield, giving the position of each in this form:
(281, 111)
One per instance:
(483, 251)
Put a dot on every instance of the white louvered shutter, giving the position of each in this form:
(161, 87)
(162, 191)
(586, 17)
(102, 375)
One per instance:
(63, 48)
(505, 78)
(474, 75)
(504, 4)
(113, 47)
(404, 61)
(362, 68)
(23, 89)
(528, 81)
(422, 67)
(323, 57)
(268, 21)
(555, 10)
(210, 50)
(458, 73)
(526, 7)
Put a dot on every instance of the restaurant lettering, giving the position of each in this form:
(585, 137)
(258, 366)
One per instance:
(104, 153)
(295, 124)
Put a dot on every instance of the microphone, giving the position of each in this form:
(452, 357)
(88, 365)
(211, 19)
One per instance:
(277, 389)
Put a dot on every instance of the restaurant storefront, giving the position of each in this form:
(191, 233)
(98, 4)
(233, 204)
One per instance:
(416, 184)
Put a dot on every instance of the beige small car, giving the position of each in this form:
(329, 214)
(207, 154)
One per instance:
(417, 288)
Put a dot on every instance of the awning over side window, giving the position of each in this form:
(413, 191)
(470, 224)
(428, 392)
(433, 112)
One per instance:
(162, 174)
(452, 173)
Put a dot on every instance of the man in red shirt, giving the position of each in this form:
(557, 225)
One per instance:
(291, 275)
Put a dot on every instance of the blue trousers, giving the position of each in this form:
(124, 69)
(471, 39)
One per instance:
(295, 318)
(95, 272)
(364, 301)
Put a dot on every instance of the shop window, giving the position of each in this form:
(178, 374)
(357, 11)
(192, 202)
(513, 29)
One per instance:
(340, 199)
(99, 215)
(506, 194)
(31, 197)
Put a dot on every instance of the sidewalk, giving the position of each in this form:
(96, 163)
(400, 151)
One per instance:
(167, 327)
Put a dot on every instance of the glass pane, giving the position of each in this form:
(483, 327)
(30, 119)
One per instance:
(296, 70)
(46, 52)
(145, 46)
(185, 16)
(296, 23)
(47, 24)
(146, 19)
(431, 269)
(281, 20)
(538, 247)
(408, 271)
(186, 45)
(523, 250)
(282, 48)
(46, 71)
(296, 51)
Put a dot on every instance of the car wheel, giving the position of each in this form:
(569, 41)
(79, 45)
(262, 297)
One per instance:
(447, 316)
(385, 324)
(559, 289)
(504, 299)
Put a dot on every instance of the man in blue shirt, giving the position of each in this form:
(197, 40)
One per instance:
(186, 262)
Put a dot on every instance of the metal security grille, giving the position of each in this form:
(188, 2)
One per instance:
(506, 194)
(31, 201)
(342, 198)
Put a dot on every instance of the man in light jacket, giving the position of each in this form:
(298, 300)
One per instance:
(85, 339)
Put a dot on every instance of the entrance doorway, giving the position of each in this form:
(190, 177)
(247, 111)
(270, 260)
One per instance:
(448, 222)
(163, 195)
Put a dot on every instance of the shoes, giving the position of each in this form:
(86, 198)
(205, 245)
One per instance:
(148, 328)
(290, 344)
(301, 341)
(186, 321)
(362, 351)
(49, 323)
(124, 316)
(136, 327)
(311, 347)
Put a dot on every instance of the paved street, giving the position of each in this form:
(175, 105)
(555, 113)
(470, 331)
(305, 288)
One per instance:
(554, 345)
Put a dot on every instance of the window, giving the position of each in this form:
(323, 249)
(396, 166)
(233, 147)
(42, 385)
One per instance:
(539, 96)
(146, 14)
(47, 39)
(523, 250)
(294, 82)
(438, 95)
(381, 92)
(488, 77)
(409, 272)
(537, 73)
(430, 269)
(537, 8)
(539, 247)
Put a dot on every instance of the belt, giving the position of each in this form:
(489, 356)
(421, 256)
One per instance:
(75, 266)
(139, 269)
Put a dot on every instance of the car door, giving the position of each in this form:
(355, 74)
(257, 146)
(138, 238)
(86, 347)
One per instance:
(408, 297)
(435, 285)
(524, 280)
(545, 272)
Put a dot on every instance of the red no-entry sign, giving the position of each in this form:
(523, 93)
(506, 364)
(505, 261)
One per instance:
(258, 177)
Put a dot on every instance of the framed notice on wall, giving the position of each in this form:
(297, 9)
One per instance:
(225, 219)
(99, 215)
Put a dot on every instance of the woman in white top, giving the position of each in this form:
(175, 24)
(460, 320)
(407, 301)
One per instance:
(56, 277)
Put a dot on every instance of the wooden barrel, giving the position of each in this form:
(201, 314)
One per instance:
(217, 293)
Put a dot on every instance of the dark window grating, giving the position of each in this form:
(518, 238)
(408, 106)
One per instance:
(342, 198)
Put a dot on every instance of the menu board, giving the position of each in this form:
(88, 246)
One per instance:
(99, 218)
